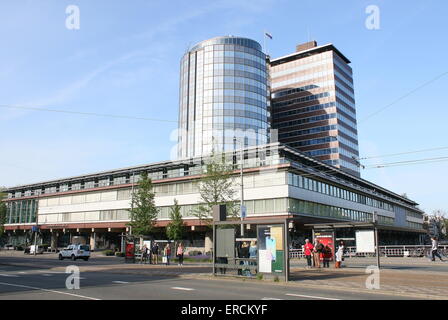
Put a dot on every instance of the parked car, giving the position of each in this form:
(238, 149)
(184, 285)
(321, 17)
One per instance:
(75, 251)
(9, 247)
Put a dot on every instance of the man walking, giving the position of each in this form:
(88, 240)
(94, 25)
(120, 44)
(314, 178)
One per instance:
(434, 249)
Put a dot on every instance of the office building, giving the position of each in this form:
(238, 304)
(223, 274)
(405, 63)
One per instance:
(223, 96)
(313, 104)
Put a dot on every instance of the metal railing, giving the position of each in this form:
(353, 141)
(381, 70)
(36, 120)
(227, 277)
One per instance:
(385, 251)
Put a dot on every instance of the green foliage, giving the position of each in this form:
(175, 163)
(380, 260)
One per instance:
(109, 252)
(216, 187)
(175, 229)
(144, 211)
(276, 279)
(119, 254)
(194, 253)
(259, 276)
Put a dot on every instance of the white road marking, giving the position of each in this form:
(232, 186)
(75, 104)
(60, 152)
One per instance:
(22, 272)
(46, 275)
(182, 288)
(8, 275)
(266, 298)
(312, 297)
(47, 290)
(120, 282)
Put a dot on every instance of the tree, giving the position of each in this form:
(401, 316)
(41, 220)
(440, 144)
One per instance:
(143, 214)
(175, 229)
(437, 223)
(216, 187)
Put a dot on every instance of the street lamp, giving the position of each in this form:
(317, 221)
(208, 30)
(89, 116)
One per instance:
(242, 208)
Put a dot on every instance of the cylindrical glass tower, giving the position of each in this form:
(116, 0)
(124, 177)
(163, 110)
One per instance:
(223, 96)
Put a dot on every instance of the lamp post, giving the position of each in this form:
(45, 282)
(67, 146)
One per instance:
(242, 186)
(37, 224)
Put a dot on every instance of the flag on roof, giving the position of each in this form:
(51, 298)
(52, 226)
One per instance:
(268, 35)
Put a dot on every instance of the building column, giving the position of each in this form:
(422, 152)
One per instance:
(93, 240)
(54, 241)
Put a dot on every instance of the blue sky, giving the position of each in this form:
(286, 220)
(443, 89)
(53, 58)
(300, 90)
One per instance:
(125, 57)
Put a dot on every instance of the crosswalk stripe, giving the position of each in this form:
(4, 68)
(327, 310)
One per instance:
(182, 288)
(311, 297)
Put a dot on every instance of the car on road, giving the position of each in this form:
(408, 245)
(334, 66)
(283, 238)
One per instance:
(75, 251)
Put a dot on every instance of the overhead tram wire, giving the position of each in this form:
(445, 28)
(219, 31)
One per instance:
(402, 153)
(404, 96)
(399, 163)
(86, 113)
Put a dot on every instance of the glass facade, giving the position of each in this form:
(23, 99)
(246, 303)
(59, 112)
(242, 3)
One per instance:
(223, 95)
(313, 106)
(23, 211)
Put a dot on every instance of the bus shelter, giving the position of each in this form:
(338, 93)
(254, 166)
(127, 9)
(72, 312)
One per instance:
(251, 248)
(366, 235)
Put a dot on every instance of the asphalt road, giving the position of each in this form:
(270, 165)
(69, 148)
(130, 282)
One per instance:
(40, 282)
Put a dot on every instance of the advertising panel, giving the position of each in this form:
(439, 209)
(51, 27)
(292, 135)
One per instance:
(327, 239)
(365, 241)
(130, 251)
(270, 249)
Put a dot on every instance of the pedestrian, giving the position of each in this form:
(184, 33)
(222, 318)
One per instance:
(339, 255)
(318, 247)
(180, 254)
(144, 254)
(326, 256)
(167, 254)
(434, 249)
(155, 253)
(308, 250)
(253, 250)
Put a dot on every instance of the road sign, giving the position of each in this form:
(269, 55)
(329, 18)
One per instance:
(243, 212)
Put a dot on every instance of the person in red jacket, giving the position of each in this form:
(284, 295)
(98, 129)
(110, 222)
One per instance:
(308, 248)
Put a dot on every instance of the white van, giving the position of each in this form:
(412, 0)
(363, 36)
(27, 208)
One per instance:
(75, 251)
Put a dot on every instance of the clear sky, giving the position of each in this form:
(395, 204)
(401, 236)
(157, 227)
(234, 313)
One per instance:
(124, 60)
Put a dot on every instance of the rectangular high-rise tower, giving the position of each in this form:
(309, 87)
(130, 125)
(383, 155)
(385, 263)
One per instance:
(313, 104)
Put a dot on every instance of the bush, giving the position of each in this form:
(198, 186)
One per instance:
(194, 253)
(119, 254)
(259, 276)
(109, 252)
(276, 279)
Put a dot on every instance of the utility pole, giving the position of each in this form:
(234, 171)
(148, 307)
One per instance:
(37, 225)
(377, 248)
(242, 185)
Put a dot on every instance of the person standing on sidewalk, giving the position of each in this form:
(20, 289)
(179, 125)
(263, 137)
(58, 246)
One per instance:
(180, 254)
(167, 253)
(318, 248)
(155, 253)
(339, 255)
(434, 249)
(308, 249)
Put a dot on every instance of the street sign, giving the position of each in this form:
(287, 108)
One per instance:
(243, 212)
(35, 229)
